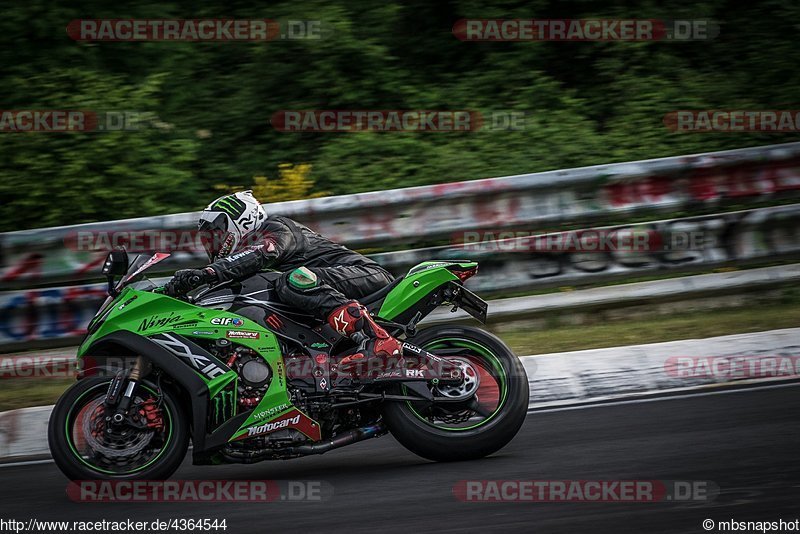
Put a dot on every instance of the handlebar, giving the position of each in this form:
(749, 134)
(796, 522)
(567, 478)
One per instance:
(209, 289)
(193, 298)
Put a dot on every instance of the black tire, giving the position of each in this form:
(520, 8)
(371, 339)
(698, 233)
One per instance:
(443, 445)
(67, 459)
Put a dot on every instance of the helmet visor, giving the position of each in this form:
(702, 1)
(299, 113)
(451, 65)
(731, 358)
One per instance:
(214, 235)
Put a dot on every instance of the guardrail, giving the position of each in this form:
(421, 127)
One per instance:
(39, 257)
(603, 253)
(418, 215)
(500, 310)
(46, 318)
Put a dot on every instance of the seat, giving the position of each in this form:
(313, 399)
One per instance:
(263, 284)
(379, 295)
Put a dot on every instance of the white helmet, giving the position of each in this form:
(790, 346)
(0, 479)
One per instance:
(227, 222)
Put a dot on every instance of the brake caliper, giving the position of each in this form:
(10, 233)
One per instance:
(151, 414)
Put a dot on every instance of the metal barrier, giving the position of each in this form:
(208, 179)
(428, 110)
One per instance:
(741, 237)
(423, 214)
(419, 215)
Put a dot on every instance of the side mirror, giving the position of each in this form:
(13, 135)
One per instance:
(116, 264)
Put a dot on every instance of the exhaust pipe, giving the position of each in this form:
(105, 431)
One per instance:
(346, 438)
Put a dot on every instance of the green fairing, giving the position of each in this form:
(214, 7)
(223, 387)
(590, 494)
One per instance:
(168, 315)
(148, 313)
(430, 275)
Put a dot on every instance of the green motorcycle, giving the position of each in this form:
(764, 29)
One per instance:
(247, 378)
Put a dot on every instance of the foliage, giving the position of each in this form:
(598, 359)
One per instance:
(585, 103)
(294, 182)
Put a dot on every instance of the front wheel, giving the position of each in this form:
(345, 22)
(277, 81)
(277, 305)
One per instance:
(487, 418)
(85, 445)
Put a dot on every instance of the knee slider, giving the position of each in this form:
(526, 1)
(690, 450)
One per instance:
(303, 279)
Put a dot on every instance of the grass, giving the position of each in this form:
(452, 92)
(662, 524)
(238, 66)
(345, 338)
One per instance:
(22, 392)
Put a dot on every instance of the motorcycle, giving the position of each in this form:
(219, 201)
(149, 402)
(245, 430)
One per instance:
(248, 378)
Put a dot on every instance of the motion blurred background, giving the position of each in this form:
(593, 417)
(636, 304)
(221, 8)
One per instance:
(586, 103)
(720, 209)
(591, 147)
(203, 127)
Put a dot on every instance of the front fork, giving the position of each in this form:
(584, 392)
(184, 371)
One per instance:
(120, 400)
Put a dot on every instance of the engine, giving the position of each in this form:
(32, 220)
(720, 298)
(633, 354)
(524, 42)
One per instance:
(254, 376)
(254, 373)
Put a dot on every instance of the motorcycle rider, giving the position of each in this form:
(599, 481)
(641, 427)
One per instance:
(318, 275)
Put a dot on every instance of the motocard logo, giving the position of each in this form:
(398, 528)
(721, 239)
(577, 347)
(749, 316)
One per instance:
(273, 426)
(222, 321)
(242, 334)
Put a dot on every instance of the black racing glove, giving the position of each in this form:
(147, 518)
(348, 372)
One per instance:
(187, 279)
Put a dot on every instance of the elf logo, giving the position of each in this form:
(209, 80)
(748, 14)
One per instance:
(274, 425)
(235, 321)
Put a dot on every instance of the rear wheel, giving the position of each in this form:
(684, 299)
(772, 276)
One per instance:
(86, 445)
(481, 416)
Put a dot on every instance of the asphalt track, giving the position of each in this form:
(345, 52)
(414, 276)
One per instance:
(747, 442)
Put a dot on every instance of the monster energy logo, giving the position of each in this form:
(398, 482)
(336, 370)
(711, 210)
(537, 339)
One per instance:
(230, 205)
(223, 406)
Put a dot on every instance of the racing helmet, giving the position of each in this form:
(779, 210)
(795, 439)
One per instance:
(228, 222)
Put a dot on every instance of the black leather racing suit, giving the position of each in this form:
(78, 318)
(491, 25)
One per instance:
(285, 245)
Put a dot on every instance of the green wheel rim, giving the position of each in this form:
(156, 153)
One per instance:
(492, 360)
(69, 422)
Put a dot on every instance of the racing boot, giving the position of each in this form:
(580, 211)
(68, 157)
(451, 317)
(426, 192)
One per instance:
(377, 351)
